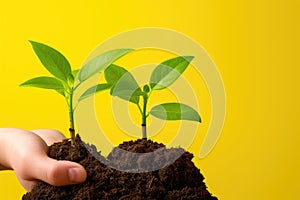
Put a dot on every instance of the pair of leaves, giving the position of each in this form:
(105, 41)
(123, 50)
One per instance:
(122, 84)
(162, 77)
(59, 67)
(126, 87)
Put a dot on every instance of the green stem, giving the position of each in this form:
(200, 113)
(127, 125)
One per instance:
(144, 117)
(71, 117)
(139, 107)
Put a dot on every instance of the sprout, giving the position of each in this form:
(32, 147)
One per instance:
(123, 85)
(64, 78)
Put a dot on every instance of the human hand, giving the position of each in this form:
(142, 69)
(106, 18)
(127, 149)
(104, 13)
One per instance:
(25, 152)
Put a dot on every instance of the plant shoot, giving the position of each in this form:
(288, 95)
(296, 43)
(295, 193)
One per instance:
(123, 85)
(63, 80)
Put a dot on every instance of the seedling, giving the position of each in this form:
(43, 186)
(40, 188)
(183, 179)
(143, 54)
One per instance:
(123, 85)
(64, 81)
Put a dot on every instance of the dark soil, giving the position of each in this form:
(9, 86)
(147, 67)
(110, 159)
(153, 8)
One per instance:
(178, 179)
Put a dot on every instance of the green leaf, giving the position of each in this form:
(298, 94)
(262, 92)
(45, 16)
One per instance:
(114, 73)
(175, 111)
(45, 83)
(124, 84)
(61, 91)
(100, 62)
(95, 89)
(52, 60)
(168, 72)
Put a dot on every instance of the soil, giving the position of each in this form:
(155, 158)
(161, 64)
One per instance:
(127, 174)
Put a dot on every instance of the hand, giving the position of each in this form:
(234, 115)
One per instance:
(25, 152)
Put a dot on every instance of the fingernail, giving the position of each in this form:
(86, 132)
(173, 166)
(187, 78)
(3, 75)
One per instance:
(74, 174)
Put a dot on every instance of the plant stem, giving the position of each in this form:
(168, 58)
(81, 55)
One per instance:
(71, 117)
(144, 117)
(139, 107)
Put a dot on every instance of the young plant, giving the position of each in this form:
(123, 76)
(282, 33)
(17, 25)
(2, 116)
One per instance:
(64, 78)
(123, 85)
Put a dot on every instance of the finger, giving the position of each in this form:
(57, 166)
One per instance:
(50, 136)
(58, 173)
(33, 163)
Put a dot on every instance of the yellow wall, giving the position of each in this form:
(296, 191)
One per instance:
(254, 43)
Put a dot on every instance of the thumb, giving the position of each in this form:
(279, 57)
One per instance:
(58, 173)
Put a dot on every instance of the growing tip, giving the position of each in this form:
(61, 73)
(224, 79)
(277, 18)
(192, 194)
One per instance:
(188, 58)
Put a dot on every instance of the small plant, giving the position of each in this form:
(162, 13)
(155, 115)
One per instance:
(64, 81)
(123, 85)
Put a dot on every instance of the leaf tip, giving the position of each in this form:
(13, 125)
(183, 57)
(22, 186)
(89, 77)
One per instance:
(200, 120)
(32, 42)
(188, 58)
(24, 84)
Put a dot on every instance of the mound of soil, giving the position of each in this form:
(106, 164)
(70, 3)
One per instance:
(127, 173)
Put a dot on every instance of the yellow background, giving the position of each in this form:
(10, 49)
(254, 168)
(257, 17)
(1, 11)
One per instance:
(254, 43)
